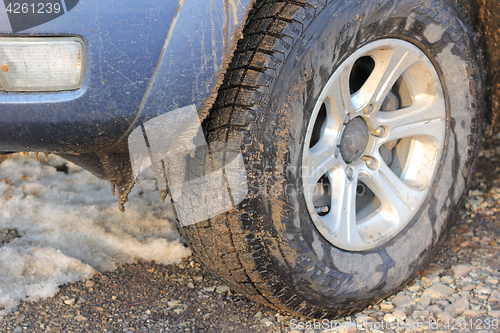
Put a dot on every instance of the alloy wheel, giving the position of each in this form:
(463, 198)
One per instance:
(373, 144)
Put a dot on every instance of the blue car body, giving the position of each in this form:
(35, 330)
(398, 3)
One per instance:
(143, 59)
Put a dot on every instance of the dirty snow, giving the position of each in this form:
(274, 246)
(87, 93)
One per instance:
(67, 226)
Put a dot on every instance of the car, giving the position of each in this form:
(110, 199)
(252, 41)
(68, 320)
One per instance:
(317, 152)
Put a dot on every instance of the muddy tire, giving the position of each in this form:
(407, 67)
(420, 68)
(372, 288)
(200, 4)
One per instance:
(327, 245)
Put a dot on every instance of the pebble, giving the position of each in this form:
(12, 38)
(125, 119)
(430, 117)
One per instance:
(280, 318)
(414, 288)
(386, 306)
(461, 271)
(492, 281)
(222, 289)
(469, 287)
(234, 317)
(433, 270)
(399, 315)
(70, 301)
(434, 309)
(89, 283)
(389, 317)
(444, 317)
(197, 278)
(425, 301)
(458, 307)
(419, 315)
(180, 308)
(190, 285)
(483, 291)
(360, 317)
(474, 313)
(80, 318)
(442, 303)
(425, 282)
(210, 289)
(266, 322)
(495, 295)
(173, 303)
(258, 315)
(447, 279)
(439, 290)
(402, 301)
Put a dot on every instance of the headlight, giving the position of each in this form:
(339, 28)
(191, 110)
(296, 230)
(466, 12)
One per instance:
(41, 63)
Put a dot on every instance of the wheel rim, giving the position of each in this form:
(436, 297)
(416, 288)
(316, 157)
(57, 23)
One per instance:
(373, 145)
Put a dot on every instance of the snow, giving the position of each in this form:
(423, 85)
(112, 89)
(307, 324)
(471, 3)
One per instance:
(70, 227)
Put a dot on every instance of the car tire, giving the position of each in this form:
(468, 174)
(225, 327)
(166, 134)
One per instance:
(277, 247)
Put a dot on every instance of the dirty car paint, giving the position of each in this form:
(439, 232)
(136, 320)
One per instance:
(133, 71)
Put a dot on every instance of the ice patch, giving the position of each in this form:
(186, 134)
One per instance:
(69, 226)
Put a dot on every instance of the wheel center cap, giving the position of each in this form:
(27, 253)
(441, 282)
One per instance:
(354, 139)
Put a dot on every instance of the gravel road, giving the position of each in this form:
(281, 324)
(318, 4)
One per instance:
(460, 287)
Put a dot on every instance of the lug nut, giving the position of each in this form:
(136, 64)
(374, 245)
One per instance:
(380, 131)
(371, 163)
(368, 109)
(350, 173)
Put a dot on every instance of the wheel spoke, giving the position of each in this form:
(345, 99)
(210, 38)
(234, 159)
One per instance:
(324, 162)
(389, 65)
(357, 101)
(321, 155)
(413, 121)
(341, 95)
(431, 128)
(392, 191)
(342, 216)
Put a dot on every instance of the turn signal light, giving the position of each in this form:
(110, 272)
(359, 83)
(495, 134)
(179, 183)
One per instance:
(41, 63)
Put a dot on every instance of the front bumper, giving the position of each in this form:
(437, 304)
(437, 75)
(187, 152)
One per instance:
(143, 59)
